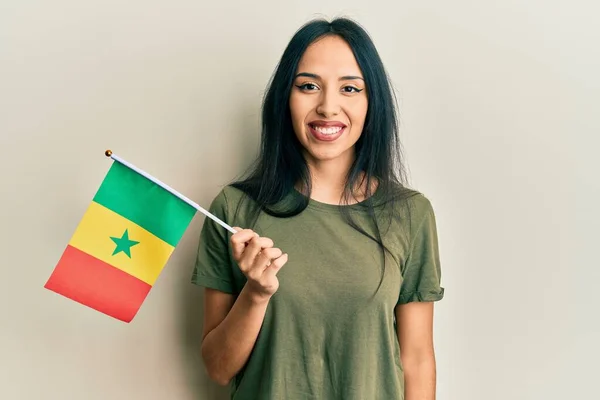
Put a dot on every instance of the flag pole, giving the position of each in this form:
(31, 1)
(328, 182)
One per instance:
(110, 154)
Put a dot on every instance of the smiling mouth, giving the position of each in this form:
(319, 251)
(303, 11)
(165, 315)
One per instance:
(326, 130)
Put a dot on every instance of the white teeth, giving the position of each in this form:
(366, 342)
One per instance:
(328, 131)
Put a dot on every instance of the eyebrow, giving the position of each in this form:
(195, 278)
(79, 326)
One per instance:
(315, 76)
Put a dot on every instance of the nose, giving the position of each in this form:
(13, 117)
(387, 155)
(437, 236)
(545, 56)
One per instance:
(329, 105)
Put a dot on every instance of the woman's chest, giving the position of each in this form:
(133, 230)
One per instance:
(332, 268)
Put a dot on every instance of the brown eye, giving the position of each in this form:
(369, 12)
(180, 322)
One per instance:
(307, 86)
(351, 89)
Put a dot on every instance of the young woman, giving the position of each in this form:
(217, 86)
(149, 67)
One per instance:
(326, 290)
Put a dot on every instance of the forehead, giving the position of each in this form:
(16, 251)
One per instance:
(329, 56)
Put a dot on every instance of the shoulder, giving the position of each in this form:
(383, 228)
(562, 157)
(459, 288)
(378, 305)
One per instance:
(411, 210)
(226, 197)
(420, 204)
(409, 202)
(232, 205)
(422, 222)
(421, 208)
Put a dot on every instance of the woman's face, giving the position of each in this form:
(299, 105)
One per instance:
(328, 102)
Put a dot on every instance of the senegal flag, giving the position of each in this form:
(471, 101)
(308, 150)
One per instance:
(121, 244)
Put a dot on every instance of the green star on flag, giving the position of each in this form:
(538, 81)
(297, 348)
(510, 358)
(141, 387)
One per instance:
(123, 243)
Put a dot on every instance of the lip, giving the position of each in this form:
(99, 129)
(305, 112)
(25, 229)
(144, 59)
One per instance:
(326, 124)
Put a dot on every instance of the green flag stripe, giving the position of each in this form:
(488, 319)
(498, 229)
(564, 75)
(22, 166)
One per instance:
(145, 203)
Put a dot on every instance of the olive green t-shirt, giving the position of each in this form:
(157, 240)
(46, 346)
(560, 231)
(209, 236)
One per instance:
(329, 331)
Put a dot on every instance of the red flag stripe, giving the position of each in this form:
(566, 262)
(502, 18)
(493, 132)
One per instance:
(98, 285)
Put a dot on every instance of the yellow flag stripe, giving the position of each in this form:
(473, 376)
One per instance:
(101, 232)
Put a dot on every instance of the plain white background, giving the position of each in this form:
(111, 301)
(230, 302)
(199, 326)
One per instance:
(499, 119)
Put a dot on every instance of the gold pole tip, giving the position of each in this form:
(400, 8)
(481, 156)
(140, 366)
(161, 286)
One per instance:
(108, 153)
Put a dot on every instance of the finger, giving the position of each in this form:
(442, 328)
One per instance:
(262, 262)
(243, 235)
(255, 246)
(264, 259)
(276, 265)
(239, 239)
(268, 255)
(255, 235)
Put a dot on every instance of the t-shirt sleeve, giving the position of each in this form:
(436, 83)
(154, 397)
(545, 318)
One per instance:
(212, 268)
(422, 270)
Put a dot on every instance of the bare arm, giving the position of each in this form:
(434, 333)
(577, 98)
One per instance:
(230, 330)
(231, 325)
(415, 336)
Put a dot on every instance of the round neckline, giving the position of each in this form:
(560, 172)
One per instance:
(321, 206)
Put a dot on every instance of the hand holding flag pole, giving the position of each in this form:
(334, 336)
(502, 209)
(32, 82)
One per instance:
(124, 240)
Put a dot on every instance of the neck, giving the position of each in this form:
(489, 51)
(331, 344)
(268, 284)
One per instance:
(328, 178)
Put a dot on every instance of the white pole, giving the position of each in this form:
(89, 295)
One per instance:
(110, 154)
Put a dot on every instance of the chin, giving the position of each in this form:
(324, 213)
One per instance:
(325, 155)
(317, 150)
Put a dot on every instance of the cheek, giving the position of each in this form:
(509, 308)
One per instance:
(297, 110)
(357, 114)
